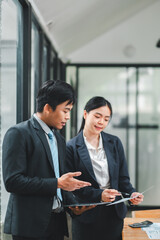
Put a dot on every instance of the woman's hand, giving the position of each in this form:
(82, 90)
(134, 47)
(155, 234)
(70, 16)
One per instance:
(109, 195)
(79, 210)
(138, 199)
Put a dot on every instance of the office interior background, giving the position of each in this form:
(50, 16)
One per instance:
(101, 47)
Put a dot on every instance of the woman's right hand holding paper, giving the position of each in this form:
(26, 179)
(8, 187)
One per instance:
(109, 195)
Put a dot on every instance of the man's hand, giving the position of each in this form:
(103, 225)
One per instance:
(79, 210)
(109, 195)
(138, 199)
(69, 183)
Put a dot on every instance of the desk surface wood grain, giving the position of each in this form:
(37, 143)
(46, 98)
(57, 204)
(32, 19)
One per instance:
(152, 213)
(135, 233)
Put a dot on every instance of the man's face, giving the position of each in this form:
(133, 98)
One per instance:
(57, 118)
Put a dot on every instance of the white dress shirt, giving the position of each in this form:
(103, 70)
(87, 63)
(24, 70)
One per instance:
(99, 163)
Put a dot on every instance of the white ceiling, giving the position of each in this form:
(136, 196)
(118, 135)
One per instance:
(102, 30)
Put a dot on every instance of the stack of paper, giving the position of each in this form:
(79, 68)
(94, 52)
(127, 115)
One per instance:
(153, 231)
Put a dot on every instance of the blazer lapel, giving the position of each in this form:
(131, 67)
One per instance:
(109, 150)
(43, 139)
(60, 152)
(84, 155)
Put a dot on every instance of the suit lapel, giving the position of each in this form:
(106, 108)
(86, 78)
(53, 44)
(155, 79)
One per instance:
(43, 139)
(60, 152)
(84, 155)
(109, 150)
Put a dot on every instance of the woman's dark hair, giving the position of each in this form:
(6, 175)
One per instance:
(54, 93)
(93, 103)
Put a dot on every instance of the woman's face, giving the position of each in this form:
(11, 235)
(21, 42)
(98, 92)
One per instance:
(97, 119)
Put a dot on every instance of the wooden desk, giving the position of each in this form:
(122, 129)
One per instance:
(135, 233)
(152, 213)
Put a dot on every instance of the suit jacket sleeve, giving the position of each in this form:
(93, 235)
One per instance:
(124, 179)
(87, 194)
(17, 177)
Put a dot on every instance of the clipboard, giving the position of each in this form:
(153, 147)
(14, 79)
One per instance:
(105, 203)
(85, 204)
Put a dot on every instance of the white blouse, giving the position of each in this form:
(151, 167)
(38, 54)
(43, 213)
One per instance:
(99, 163)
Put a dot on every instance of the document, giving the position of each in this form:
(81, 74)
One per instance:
(126, 199)
(121, 200)
(105, 203)
(100, 203)
(153, 231)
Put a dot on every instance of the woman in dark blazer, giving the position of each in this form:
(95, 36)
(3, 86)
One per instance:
(100, 157)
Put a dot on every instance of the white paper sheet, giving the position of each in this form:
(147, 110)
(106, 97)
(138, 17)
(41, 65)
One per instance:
(126, 199)
(153, 231)
(106, 203)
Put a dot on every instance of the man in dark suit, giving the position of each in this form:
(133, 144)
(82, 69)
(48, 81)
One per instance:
(35, 206)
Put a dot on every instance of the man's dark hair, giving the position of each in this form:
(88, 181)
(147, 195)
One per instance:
(54, 93)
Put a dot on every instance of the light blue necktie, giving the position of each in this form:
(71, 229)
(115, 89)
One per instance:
(54, 153)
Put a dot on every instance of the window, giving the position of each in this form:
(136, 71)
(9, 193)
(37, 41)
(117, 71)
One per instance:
(53, 66)
(45, 61)
(35, 65)
(11, 72)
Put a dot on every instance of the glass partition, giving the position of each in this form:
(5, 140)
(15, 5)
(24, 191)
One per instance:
(45, 62)
(132, 122)
(35, 66)
(148, 96)
(149, 134)
(10, 75)
(71, 126)
(53, 66)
